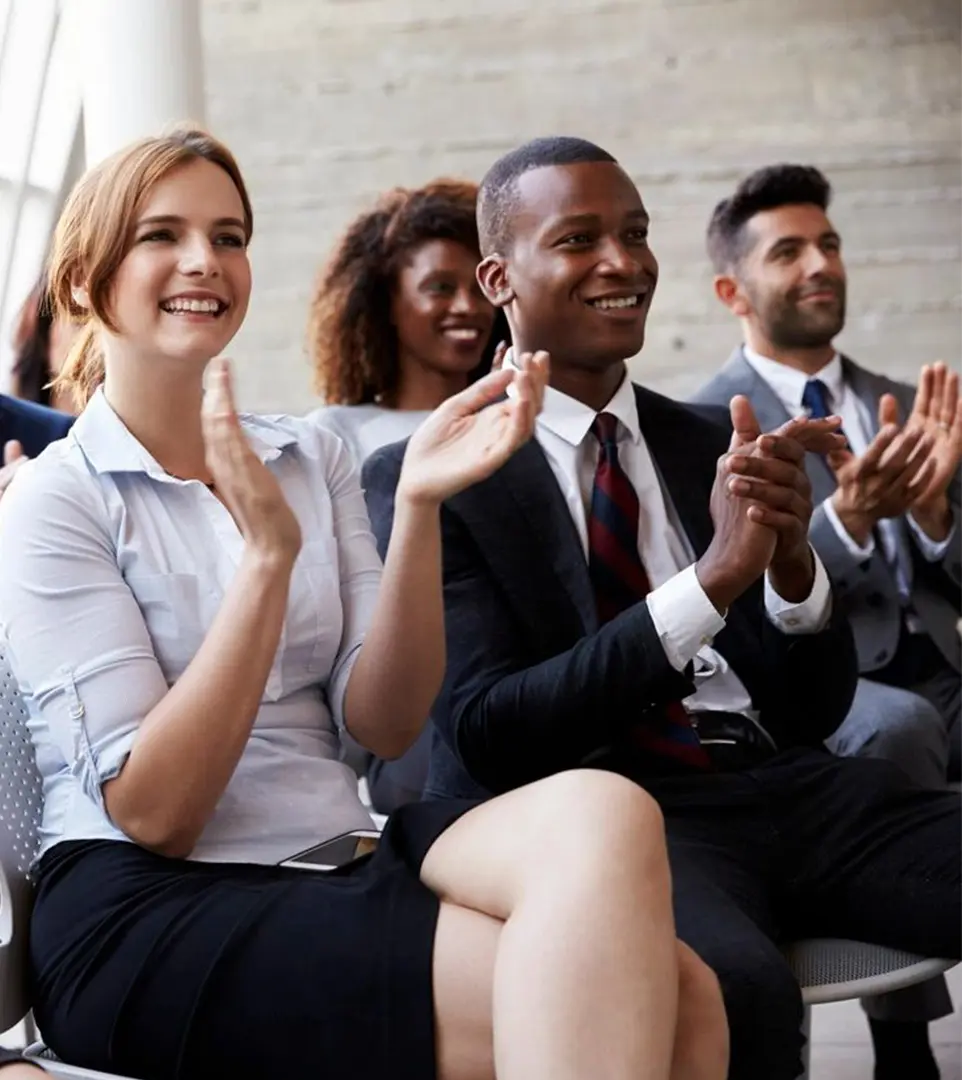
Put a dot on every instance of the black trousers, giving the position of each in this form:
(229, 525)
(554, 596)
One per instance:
(805, 845)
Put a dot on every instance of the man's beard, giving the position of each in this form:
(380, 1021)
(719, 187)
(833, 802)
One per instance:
(789, 326)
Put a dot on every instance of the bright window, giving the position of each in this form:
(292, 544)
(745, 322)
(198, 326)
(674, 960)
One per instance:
(39, 148)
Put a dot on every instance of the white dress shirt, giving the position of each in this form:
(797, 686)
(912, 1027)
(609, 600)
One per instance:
(111, 572)
(685, 619)
(788, 384)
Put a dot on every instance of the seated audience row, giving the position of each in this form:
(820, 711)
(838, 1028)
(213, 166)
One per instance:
(364, 304)
(635, 590)
(688, 606)
(194, 608)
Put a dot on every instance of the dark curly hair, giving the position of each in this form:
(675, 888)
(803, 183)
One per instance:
(351, 339)
(765, 189)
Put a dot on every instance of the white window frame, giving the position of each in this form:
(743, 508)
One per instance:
(31, 207)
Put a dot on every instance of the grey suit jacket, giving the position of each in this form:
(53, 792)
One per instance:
(867, 589)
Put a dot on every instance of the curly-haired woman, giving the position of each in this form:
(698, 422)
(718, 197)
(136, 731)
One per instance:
(398, 322)
(397, 325)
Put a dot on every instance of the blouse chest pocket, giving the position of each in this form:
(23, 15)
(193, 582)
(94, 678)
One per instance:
(172, 607)
(312, 629)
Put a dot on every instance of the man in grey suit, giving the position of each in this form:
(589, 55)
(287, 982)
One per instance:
(887, 509)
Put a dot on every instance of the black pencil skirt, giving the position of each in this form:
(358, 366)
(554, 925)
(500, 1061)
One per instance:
(166, 968)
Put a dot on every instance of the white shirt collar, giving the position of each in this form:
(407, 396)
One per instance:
(111, 448)
(789, 383)
(571, 420)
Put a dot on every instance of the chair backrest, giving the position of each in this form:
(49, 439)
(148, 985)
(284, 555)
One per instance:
(21, 804)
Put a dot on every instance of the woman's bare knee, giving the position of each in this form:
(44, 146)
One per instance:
(465, 946)
(585, 795)
(576, 818)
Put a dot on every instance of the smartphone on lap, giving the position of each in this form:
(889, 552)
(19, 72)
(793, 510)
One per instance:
(335, 853)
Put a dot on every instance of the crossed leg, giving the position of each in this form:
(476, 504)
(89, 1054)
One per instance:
(555, 955)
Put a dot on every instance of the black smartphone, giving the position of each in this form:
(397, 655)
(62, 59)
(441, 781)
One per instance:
(337, 852)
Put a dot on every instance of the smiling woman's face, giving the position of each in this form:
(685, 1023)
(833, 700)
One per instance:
(442, 319)
(183, 288)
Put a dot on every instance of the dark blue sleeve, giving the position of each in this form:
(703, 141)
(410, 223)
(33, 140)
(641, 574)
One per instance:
(33, 426)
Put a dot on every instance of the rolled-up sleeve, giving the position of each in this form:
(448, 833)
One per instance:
(359, 565)
(77, 641)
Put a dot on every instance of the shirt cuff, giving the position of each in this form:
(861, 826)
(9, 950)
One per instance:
(932, 550)
(684, 618)
(857, 550)
(808, 617)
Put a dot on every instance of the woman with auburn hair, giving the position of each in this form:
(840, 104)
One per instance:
(397, 325)
(398, 322)
(194, 608)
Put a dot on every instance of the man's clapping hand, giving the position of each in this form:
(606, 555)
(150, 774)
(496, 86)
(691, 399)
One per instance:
(761, 506)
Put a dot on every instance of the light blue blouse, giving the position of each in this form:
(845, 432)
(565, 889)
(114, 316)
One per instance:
(111, 572)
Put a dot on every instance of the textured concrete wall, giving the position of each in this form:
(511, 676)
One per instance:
(327, 102)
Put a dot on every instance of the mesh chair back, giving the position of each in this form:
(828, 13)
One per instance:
(21, 803)
(834, 969)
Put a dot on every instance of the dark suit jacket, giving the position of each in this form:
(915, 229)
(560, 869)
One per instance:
(867, 590)
(34, 426)
(533, 684)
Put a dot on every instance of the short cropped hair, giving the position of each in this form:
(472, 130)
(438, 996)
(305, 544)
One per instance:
(765, 189)
(498, 195)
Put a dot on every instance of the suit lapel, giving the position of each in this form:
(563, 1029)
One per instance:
(531, 533)
(769, 411)
(680, 453)
(864, 387)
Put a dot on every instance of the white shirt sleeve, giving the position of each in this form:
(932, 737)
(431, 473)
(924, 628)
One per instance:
(686, 620)
(808, 617)
(76, 636)
(856, 550)
(932, 550)
(683, 616)
(359, 565)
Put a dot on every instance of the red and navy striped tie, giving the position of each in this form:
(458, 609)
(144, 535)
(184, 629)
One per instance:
(620, 580)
